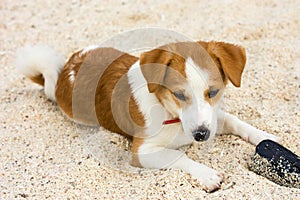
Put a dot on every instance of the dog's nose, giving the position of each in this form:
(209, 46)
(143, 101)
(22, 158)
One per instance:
(201, 133)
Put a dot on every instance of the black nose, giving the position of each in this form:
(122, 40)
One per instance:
(201, 133)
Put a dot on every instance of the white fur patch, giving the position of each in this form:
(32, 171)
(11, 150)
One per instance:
(197, 78)
(233, 125)
(138, 85)
(72, 76)
(34, 60)
(200, 111)
(155, 156)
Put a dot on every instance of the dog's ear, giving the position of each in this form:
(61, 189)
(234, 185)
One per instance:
(154, 65)
(231, 57)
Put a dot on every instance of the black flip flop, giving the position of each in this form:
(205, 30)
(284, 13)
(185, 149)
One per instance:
(276, 163)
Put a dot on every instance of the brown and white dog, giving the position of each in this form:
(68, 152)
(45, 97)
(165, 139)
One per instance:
(166, 98)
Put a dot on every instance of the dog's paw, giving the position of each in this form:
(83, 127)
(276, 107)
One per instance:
(210, 179)
(213, 182)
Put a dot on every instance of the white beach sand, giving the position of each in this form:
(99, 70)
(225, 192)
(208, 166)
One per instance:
(45, 155)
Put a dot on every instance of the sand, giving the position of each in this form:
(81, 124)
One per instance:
(45, 155)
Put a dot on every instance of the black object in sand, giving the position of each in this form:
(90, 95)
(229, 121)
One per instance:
(276, 163)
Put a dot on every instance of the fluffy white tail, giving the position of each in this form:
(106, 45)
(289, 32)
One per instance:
(42, 65)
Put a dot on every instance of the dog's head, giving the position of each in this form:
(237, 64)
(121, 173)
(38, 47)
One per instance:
(189, 78)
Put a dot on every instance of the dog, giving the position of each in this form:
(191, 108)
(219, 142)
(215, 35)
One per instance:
(166, 98)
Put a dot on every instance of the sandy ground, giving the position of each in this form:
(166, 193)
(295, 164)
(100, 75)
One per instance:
(45, 155)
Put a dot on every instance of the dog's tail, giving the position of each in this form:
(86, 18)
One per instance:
(42, 65)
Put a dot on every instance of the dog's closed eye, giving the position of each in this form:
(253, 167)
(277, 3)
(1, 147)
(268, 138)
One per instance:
(180, 95)
(212, 92)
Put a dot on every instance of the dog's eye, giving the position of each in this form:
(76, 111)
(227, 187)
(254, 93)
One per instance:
(212, 93)
(179, 95)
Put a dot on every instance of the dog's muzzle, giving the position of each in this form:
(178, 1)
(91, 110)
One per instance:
(201, 133)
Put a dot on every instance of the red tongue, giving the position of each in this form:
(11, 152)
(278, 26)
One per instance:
(171, 121)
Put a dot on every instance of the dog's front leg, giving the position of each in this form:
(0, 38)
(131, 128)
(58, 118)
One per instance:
(152, 156)
(232, 125)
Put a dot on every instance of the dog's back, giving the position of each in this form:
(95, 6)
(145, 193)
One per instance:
(83, 87)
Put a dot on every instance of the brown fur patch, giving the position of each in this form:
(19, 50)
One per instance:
(164, 66)
(229, 58)
(90, 97)
(206, 96)
(137, 142)
(39, 79)
(64, 87)
(116, 109)
(164, 70)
